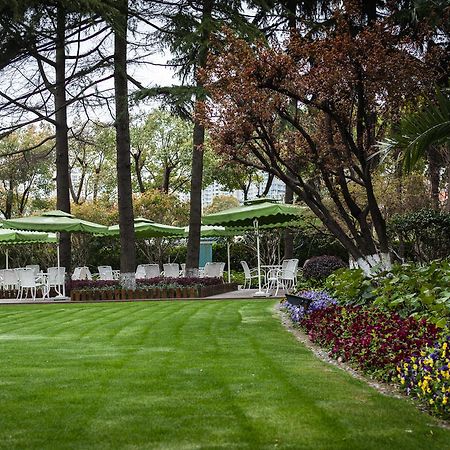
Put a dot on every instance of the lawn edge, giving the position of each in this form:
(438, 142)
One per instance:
(387, 389)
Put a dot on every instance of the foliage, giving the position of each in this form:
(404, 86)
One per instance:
(427, 377)
(320, 267)
(220, 203)
(425, 233)
(374, 340)
(161, 147)
(350, 287)
(324, 145)
(419, 291)
(420, 129)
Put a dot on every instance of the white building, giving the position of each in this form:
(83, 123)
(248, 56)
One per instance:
(215, 189)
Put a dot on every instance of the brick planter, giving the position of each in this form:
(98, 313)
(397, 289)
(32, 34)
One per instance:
(84, 295)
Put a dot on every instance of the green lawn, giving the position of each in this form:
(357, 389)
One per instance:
(184, 375)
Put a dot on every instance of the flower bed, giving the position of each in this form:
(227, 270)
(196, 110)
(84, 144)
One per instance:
(427, 377)
(155, 288)
(381, 343)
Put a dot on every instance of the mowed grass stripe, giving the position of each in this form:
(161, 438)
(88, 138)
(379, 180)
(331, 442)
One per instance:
(184, 375)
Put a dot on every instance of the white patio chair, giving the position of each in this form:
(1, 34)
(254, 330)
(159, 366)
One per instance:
(1, 278)
(105, 273)
(273, 280)
(27, 281)
(183, 270)
(213, 270)
(250, 274)
(171, 270)
(56, 278)
(140, 272)
(147, 271)
(152, 271)
(81, 273)
(10, 279)
(35, 267)
(288, 274)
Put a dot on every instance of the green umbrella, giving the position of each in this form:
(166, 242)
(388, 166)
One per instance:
(55, 221)
(261, 213)
(145, 228)
(14, 237)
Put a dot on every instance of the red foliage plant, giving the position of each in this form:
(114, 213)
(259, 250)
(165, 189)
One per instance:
(375, 341)
(310, 111)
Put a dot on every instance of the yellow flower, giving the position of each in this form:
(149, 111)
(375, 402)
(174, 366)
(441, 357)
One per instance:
(444, 400)
(402, 381)
(415, 366)
(431, 401)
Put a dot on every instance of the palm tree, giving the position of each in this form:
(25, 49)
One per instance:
(419, 130)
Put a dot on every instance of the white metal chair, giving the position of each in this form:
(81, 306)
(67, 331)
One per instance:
(105, 273)
(183, 270)
(250, 274)
(35, 267)
(147, 271)
(10, 279)
(152, 271)
(273, 280)
(213, 270)
(56, 278)
(81, 273)
(171, 270)
(288, 274)
(27, 281)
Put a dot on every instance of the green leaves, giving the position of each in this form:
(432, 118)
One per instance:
(421, 129)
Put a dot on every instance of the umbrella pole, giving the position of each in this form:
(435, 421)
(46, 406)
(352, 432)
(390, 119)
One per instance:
(7, 258)
(260, 292)
(57, 251)
(228, 260)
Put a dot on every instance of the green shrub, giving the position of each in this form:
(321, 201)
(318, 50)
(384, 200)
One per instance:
(350, 287)
(418, 291)
(320, 267)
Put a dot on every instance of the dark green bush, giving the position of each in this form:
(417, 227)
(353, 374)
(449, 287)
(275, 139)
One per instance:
(421, 236)
(320, 267)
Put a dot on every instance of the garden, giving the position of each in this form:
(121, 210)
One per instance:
(392, 326)
(184, 374)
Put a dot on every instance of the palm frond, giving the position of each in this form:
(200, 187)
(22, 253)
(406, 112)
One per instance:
(421, 129)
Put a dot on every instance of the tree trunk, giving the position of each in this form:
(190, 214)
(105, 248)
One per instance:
(166, 179)
(122, 124)
(61, 138)
(434, 176)
(195, 212)
(288, 235)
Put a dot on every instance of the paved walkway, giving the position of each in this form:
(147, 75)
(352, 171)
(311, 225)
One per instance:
(239, 294)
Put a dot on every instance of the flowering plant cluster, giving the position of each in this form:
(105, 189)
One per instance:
(374, 341)
(178, 282)
(427, 376)
(166, 282)
(314, 300)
